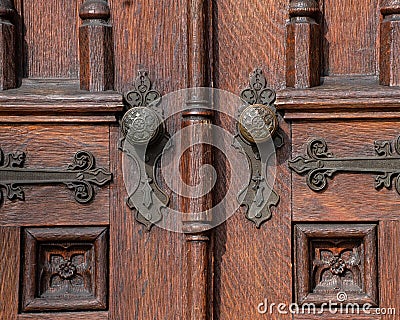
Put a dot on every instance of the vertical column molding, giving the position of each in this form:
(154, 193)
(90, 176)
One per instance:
(196, 225)
(303, 57)
(8, 66)
(96, 47)
(389, 62)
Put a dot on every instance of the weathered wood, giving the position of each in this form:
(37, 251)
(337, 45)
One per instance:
(390, 43)
(96, 47)
(303, 45)
(8, 54)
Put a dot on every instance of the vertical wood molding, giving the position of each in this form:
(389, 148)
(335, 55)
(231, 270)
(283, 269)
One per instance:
(303, 45)
(96, 47)
(195, 225)
(8, 66)
(389, 62)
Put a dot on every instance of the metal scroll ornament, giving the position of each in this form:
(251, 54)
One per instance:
(80, 176)
(143, 141)
(319, 164)
(258, 124)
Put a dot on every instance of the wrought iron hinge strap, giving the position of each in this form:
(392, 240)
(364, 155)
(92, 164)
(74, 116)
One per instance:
(80, 176)
(319, 164)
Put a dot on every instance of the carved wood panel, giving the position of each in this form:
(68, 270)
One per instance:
(65, 269)
(336, 262)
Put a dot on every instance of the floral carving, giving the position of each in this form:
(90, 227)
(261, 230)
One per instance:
(64, 269)
(337, 266)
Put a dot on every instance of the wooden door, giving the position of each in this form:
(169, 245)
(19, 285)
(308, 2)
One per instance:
(76, 243)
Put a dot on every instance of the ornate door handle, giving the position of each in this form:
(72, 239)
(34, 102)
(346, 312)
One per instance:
(80, 176)
(319, 164)
(143, 128)
(258, 124)
(144, 139)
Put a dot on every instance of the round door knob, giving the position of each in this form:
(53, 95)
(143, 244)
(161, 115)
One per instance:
(142, 125)
(258, 123)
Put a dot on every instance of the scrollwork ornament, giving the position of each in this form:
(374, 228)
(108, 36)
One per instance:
(81, 175)
(319, 164)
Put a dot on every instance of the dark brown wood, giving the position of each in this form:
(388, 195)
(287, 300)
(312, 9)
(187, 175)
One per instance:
(58, 97)
(96, 47)
(100, 315)
(9, 262)
(248, 262)
(197, 215)
(8, 36)
(350, 33)
(390, 270)
(50, 42)
(303, 45)
(390, 43)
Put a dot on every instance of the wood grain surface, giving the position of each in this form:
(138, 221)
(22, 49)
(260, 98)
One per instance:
(249, 34)
(350, 33)
(389, 267)
(148, 277)
(9, 275)
(150, 35)
(51, 38)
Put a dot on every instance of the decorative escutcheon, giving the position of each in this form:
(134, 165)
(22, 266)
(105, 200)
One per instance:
(144, 139)
(258, 124)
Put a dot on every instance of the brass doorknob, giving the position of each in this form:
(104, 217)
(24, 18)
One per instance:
(257, 123)
(142, 125)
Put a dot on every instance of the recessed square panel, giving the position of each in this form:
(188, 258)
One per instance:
(336, 262)
(64, 269)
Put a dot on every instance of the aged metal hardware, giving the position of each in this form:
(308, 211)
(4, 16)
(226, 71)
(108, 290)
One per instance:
(144, 139)
(258, 124)
(319, 164)
(79, 176)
